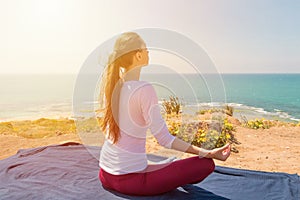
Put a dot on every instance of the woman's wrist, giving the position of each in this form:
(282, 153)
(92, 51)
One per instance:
(204, 153)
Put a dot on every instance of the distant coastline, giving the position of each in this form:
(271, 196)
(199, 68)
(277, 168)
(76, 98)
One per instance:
(255, 95)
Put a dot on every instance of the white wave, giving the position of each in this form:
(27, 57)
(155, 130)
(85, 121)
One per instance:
(295, 119)
(91, 102)
(246, 110)
(235, 104)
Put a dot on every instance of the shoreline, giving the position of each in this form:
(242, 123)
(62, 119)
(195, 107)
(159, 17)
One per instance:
(250, 112)
(238, 114)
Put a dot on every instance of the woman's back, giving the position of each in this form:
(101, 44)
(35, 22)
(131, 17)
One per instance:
(138, 111)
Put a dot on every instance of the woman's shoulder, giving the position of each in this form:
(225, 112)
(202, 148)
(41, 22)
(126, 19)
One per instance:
(139, 84)
(143, 88)
(146, 86)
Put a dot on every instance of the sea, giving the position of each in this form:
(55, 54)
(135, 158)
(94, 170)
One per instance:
(270, 96)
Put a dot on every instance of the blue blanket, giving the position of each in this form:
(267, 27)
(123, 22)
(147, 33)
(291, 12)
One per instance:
(70, 171)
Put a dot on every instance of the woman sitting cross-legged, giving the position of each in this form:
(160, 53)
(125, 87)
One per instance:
(129, 108)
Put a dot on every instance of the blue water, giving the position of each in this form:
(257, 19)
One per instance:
(34, 96)
(275, 96)
(275, 93)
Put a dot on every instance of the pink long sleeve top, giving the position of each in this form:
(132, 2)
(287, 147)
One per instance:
(138, 111)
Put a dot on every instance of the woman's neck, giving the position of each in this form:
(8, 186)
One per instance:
(132, 74)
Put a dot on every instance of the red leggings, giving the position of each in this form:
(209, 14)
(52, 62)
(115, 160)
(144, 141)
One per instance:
(157, 180)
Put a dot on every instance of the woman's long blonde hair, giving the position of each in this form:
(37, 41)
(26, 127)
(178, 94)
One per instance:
(125, 48)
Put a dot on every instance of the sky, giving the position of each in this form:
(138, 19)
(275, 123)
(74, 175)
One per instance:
(240, 36)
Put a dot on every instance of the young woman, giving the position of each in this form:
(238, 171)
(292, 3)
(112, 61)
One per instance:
(130, 108)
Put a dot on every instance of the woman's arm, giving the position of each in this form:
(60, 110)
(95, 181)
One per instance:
(151, 114)
(221, 153)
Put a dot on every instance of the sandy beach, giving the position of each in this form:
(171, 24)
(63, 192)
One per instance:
(276, 149)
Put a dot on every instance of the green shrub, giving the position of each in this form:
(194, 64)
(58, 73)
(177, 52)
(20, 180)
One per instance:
(259, 124)
(6, 128)
(228, 127)
(38, 128)
(207, 135)
(209, 111)
(229, 110)
(201, 112)
(172, 105)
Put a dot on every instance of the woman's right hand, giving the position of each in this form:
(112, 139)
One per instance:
(221, 153)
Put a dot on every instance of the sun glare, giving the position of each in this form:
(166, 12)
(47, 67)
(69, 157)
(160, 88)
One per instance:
(48, 10)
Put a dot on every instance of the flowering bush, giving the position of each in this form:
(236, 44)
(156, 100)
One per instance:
(259, 124)
(205, 134)
(228, 110)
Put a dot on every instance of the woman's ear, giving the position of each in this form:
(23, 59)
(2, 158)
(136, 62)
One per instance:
(138, 55)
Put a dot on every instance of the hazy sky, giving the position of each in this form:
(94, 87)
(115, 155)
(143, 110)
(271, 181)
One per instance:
(45, 36)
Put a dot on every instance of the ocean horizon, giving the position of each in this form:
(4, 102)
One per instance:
(270, 96)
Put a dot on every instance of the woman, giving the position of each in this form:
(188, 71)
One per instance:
(130, 109)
